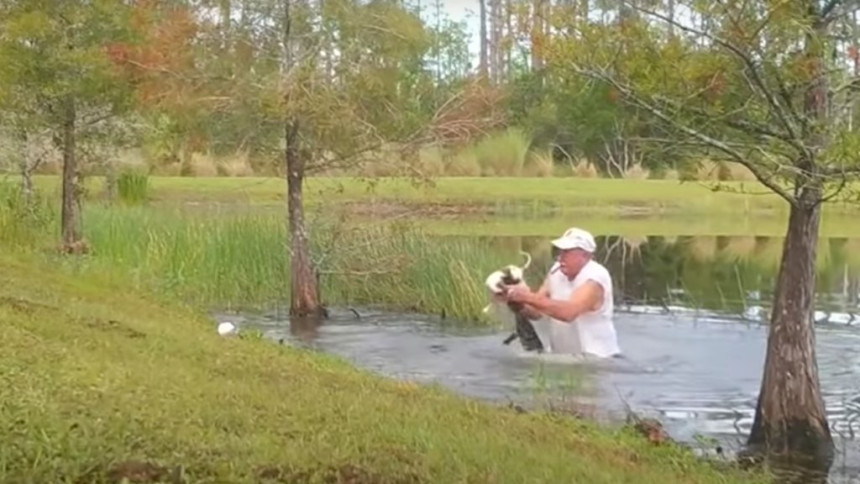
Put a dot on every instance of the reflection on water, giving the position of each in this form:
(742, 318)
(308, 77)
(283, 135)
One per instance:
(691, 321)
(733, 275)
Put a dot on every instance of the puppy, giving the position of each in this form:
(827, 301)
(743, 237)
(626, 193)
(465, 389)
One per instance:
(508, 275)
(524, 330)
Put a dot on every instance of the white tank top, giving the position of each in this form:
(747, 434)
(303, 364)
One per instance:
(592, 332)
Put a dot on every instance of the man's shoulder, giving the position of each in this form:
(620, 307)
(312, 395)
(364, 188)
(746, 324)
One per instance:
(596, 269)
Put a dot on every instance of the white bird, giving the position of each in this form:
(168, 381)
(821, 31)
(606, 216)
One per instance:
(226, 328)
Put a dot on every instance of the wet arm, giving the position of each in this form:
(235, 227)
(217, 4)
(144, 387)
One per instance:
(586, 298)
(530, 311)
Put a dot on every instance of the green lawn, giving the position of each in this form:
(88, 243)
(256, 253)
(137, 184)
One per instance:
(669, 225)
(508, 206)
(98, 381)
(569, 194)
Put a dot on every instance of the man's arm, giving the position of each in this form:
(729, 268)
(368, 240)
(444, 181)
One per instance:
(587, 297)
(532, 312)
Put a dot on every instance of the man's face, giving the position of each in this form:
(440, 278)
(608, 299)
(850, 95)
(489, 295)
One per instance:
(571, 261)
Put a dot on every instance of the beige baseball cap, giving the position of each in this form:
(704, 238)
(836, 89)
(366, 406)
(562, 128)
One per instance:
(575, 238)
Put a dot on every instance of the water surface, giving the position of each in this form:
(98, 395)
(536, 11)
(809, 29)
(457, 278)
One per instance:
(699, 375)
(691, 318)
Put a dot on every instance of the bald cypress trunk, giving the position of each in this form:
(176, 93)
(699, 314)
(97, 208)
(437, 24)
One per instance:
(70, 217)
(304, 292)
(790, 424)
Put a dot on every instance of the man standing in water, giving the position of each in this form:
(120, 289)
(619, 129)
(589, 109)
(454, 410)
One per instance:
(573, 309)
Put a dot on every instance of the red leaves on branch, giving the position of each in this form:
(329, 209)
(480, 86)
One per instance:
(160, 60)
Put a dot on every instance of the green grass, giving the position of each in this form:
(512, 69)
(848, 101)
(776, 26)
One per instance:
(503, 154)
(404, 268)
(237, 260)
(550, 226)
(571, 195)
(235, 257)
(96, 374)
(132, 187)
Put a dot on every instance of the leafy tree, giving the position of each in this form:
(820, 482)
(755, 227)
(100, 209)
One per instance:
(377, 94)
(758, 84)
(324, 83)
(172, 89)
(56, 75)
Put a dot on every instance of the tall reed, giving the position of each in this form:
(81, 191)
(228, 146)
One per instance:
(504, 153)
(406, 269)
(217, 260)
(23, 223)
(240, 259)
(133, 187)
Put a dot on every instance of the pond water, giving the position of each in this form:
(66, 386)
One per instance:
(691, 319)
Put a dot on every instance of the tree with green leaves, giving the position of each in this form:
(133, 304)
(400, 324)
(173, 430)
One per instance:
(379, 95)
(765, 85)
(326, 84)
(55, 74)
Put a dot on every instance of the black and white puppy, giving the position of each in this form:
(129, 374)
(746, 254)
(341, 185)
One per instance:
(523, 329)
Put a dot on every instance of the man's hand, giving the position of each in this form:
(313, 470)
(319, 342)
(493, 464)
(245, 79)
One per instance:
(502, 297)
(519, 293)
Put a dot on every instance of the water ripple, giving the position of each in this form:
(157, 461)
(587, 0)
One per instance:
(699, 375)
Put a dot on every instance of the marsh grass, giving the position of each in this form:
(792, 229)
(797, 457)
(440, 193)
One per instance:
(239, 259)
(133, 187)
(539, 163)
(236, 257)
(508, 152)
(212, 260)
(404, 268)
(564, 388)
(21, 224)
(504, 153)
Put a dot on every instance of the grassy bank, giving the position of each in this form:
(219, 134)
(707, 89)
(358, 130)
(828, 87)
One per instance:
(605, 196)
(98, 380)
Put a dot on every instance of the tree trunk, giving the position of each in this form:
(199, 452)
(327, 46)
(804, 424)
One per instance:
(225, 11)
(26, 169)
(72, 242)
(110, 180)
(790, 420)
(539, 24)
(506, 37)
(27, 186)
(483, 64)
(304, 292)
(671, 14)
(495, 42)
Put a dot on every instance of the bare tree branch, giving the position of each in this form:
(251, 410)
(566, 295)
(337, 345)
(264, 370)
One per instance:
(731, 120)
(463, 116)
(836, 193)
(733, 153)
(784, 114)
(840, 171)
(831, 7)
(782, 87)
